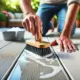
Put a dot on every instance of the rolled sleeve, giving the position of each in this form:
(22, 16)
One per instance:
(73, 1)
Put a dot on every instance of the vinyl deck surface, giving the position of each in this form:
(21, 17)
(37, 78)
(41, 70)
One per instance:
(30, 66)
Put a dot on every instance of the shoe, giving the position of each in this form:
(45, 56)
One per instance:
(50, 31)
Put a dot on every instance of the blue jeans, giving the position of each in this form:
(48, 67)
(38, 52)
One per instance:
(47, 11)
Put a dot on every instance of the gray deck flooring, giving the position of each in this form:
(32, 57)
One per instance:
(8, 56)
(70, 61)
(10, 51)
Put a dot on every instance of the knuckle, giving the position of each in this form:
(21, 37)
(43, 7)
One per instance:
(26, 20)
(36, 17)
(30, 17)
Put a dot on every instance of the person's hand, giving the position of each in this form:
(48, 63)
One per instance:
(65, 44)
(33, 24)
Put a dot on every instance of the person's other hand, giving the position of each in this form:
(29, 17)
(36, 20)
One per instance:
(65, 44)
(33, 24)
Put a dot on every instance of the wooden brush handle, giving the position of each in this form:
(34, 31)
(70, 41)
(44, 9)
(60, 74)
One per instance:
(38, 36)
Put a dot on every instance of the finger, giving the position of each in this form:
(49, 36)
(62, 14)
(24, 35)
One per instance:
(25, 25)
(40, 29)
(70, 47)
(37, 28)
(74, 48)
(65, 45)
(28, 24)
(40, 24)
(60, 44)
(33, 25)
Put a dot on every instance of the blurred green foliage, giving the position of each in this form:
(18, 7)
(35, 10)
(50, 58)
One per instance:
(78, 16)
(35, 4)
(2, 17)
(13, 5)
(10, 5)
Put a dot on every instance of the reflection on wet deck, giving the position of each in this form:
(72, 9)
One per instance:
(34, 67)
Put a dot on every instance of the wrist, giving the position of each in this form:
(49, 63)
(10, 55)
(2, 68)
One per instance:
(27, 13)
(66, 33)
(67, 30)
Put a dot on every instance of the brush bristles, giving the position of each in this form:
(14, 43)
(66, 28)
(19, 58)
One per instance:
(39, 51)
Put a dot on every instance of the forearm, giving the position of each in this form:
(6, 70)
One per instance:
(26, 6)
(70, 19)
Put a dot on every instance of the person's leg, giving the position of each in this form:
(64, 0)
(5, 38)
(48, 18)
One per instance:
(61, 18)
(45, 12)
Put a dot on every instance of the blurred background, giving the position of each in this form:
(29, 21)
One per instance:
(11, 14)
